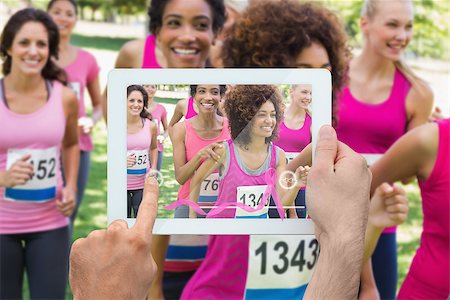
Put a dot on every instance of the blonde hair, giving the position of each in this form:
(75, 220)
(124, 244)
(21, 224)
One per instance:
(369, 10)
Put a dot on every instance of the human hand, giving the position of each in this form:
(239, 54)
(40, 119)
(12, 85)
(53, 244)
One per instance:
(116, 263)
(67, 204)
(388, 206)
(131, 160)
(301, 174)
(160, 138)
(209, 151)
(18, 173)
(86, 124)
(436, 115)
(338, 190)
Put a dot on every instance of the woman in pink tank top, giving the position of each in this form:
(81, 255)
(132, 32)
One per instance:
(159, 117)
(82, 72)
(249, 164)
(383, 100)
(142, 152)
(193, 141)
(295, 134)
(38, 117)
(424, 153)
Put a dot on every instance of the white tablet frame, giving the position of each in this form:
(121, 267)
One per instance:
(120, 79)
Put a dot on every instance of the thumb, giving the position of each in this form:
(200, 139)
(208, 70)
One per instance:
(25, 157)
(326, 149)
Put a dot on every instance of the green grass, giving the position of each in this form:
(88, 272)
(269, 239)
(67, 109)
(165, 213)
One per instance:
(99, 42)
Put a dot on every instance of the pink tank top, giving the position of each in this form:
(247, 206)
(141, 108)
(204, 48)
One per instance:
(190, 109)
(80, 73)
(373, 128)
(194, 143)
(149, 60)
(223, 273)
(158, 114)
(186, 253)
(31, 207)
(139, 144)
(428, 276)
(294, 140)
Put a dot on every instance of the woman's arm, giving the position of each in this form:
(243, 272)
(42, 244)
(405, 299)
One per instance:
(206, 169)
(70, 152)
(178, 113)
(153, 151)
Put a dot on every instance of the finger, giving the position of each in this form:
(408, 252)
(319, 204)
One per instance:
(118, 225)
(148, 208)
(25, 157)
(326, 150)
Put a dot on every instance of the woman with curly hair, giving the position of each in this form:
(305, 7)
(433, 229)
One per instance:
(249, 164)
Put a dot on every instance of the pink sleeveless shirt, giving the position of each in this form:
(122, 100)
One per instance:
(190, 109)
(139, 144)
(149, 60)
(80, 73)
(223, 273)
(428, 276)
(294, 140)
(373, 128)
(32, 207)
(159, 113)
(186, 253)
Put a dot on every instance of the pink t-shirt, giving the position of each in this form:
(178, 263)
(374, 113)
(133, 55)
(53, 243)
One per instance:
(81, 72)
(294, 140)
(373, 128)
(428, 276)
(139, 144)
(149, 60)
(190, 109)
(159, 113)
(32, 207)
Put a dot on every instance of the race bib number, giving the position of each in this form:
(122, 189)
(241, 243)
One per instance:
(281, 265)
(290, 156)
(41, 187)
(209, 189)
(142, 162)
(75, 87)
(252, 197)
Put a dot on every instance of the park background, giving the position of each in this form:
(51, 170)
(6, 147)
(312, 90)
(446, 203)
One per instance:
(105, 25)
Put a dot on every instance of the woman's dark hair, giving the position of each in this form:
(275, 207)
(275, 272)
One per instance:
(193, 89)
(156, 10)
(73, 2)
(273, 33)
(243, 102)
(144, 113)
(50, 71)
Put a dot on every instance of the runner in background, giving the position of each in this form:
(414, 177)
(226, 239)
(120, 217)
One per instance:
(295, 134)
(142, 151)
(159, 117)
(38, 120)
(383, 100)
(193, 140)
(424, 153)
(83, 72)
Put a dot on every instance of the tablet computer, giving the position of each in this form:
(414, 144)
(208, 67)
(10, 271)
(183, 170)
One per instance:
(172, 85)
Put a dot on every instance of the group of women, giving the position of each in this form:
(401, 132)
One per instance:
(379, 107)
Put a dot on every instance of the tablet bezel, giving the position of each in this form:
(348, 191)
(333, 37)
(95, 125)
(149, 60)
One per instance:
(120, 79)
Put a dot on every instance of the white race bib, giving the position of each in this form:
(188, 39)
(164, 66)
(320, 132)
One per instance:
(142, 162)
(290, 156)
(75, 87)
(209, 190)
(252, 196)
(42, 185)
(280, 266)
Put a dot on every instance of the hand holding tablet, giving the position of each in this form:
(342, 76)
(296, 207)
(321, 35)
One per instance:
(116, 263)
